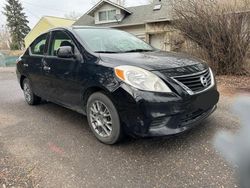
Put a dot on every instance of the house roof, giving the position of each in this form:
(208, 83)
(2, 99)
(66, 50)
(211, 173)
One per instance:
(139, 15)
(53, 21)
(91, 12)
(45, 23)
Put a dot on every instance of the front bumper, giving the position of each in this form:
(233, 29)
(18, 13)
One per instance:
(182, 126)
(149, 114)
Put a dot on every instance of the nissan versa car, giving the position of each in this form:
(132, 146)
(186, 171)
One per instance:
(122, 84)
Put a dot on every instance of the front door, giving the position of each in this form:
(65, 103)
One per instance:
(63, 73)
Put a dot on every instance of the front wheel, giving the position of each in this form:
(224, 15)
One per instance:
(29, 96)
(103, 119)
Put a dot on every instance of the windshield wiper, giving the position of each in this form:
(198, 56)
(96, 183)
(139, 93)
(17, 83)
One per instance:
(110, 52)
(135, 50)
(138, 50)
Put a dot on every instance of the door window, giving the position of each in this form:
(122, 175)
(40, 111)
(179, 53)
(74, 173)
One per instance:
(38, 47)
(59, 39)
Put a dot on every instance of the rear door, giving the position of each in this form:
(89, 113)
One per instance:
(63, 72)
(33, 63)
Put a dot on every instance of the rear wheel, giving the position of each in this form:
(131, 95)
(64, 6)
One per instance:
(29, 96)
(103, 119)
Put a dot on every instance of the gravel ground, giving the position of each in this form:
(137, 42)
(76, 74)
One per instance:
(239, 83)
(50, 146)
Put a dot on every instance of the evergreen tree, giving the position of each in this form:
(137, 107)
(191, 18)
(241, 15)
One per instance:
(17, 23)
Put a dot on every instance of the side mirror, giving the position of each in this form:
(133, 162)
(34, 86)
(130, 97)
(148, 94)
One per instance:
(65, 52)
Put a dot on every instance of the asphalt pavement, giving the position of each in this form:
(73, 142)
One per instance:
(57, 144)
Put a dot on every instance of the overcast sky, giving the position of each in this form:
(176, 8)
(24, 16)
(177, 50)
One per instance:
(35, 9)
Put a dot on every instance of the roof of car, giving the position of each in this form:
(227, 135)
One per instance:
(77, 27)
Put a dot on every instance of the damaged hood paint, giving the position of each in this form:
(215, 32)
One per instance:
(157, 60)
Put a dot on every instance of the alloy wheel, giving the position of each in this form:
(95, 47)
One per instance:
(100, 119)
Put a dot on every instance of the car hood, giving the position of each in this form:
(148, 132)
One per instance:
(157, 60)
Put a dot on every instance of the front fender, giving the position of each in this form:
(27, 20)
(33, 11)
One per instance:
(99, 78)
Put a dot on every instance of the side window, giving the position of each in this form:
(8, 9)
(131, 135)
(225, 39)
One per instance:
(59, 39)
(38, 46)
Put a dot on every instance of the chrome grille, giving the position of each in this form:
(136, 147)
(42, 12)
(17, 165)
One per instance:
(197, 82)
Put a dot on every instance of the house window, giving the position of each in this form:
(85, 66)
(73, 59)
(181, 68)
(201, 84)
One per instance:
(111, 14)
(103, 16)
(108, 15)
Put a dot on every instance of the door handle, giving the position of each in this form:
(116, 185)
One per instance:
(46, 68)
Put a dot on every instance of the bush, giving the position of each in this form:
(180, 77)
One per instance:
(221, 31)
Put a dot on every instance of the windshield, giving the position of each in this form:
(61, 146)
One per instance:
(112, 41)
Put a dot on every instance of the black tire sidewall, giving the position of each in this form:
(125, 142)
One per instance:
(116, 125)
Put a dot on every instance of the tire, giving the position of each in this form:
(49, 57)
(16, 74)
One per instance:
(99, 119)
(29, 96)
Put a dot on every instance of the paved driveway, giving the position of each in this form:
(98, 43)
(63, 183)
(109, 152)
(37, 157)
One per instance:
(62, 152)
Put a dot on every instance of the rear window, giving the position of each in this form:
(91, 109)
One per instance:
(38, 46)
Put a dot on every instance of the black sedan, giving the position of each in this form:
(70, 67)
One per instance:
(122, 84)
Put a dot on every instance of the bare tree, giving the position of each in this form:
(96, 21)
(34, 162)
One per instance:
(222, 31)
(73, 15)
(150, 1)
(120, 2)
(5, 38)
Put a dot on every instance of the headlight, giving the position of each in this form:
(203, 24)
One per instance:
(141, 79)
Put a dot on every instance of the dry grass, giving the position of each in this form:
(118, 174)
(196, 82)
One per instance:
(231, 85)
